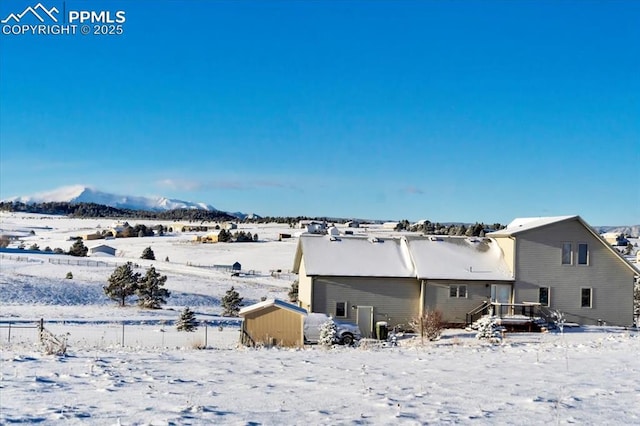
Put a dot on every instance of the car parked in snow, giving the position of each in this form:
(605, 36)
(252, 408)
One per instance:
(346, 332)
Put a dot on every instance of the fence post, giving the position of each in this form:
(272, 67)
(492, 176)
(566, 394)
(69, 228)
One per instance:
(9, 332)
(41, 329)
(123, 334)
(206, 335)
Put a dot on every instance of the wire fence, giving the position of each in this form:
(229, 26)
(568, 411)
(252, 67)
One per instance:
(218, 334)
(83, 262)
(21, 258)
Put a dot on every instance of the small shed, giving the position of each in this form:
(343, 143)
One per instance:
(102, 250)
(236, 267)
(273, 322)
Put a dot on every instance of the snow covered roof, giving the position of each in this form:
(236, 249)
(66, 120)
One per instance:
(405, 257)
(527, 223)
(443, 257)
(350, 256)
(269, 303)
(102, 247)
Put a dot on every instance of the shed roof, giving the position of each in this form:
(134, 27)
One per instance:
(353, 256)
(101, 247)
(269, 303)
(443, 257)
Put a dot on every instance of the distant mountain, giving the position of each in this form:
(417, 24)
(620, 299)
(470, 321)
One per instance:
(83, 194)
(633, 230)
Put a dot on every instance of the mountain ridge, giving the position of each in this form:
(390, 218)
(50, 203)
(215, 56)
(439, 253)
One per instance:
(87, 194)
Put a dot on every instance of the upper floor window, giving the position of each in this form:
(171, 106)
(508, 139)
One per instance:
(567, 254)
(583, 254)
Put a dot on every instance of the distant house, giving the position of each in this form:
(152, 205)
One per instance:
(116, 231)
(548, 263)
(191, 227)
(353, 224)
(94, 236)
(307, 224)
(273, 323)
(229, 226)
(212, 237)
(102, 250)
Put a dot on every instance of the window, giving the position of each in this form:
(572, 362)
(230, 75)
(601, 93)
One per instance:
(567, 254)
(543, 296)
(458, 291)
(583, 254)
(341, 309)
(585, 297)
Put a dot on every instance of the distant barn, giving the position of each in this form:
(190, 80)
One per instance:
(102, 250)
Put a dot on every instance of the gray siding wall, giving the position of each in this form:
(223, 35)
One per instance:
(538, 264)
(454, 310)
(396, 300)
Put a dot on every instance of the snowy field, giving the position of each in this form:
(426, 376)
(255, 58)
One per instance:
(129, 366)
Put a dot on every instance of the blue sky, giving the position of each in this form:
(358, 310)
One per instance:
(440, 110)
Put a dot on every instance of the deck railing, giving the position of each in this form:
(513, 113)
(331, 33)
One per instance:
(505, 310)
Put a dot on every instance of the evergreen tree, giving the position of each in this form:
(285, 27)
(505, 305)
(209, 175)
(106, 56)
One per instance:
(34, 247)
(148, 254)
(78, 249)
(328, 332)
(187, 321)
(293, 292)
(123, 283)
(150, 292)
(488, 329)
(224, 236)
(231, 303)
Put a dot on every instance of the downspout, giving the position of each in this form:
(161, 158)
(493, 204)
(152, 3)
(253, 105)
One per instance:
(423, 289)
(310, 308)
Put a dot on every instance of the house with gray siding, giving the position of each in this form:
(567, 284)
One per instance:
(552, 263)
(370, 279)
(565, 265)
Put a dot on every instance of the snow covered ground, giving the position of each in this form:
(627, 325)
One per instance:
(129, 366)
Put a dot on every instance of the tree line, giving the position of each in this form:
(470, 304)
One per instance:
(427, 227)
(93, 210)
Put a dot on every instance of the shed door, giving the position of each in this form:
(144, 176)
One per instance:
(365, 320)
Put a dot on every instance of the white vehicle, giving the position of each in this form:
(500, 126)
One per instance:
(346, 332)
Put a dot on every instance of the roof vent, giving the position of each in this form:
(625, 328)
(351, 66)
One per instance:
(374, 240)
(436, 239)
